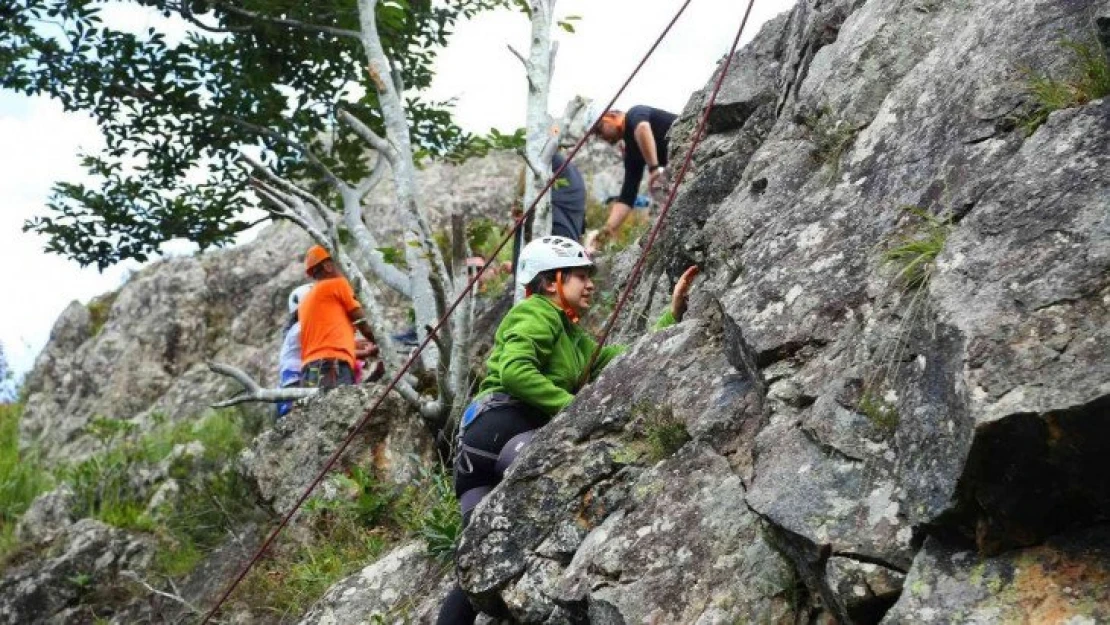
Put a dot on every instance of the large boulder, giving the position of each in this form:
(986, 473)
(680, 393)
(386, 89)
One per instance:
(405, 586)
(284, 459)
(89, 566)
(611, 515)
(1065, 580)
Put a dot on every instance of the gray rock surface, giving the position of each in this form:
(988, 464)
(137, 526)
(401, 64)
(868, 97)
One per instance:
(148, 356)
(83, 570)
(973, 408)
(47, 515)
(404, 586)
(284, 459)
(1065, 580)
(596, 522)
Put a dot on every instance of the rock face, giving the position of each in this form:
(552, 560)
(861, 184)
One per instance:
(593, 523)
(146, 352)
(285, 458)
(967, 409)
(1066, 580)
(831, 435)
(404, 586)
(89, 566)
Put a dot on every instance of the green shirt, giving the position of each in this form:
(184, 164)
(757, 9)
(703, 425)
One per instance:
(539, 355)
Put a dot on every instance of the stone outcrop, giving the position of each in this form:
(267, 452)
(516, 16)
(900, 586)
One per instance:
(968, 410)
(88, 572)
(404, 586)
(285, 458)
(822, 439)
(143, 352)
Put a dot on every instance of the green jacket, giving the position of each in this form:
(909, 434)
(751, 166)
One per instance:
(538, 355)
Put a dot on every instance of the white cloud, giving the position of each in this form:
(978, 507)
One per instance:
(43, 143)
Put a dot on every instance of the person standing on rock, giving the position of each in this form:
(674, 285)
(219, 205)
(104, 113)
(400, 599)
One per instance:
(289, 361)
(644, 131)
(329, 315)
(537, 364)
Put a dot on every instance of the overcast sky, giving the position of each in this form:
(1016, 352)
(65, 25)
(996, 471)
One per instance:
(41, 143)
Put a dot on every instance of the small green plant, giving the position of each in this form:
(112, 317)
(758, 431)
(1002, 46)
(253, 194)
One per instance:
(879, 411)
(660, 434)
(915, 254)
(98, 308)
(831, 138)
(1088, 80)
(22, 478)
(429, 510)
(343, 537)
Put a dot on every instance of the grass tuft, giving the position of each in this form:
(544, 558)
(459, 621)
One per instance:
(1087, 79)
(831, 138)
(915, 254)
(880, 412)
(22, 478)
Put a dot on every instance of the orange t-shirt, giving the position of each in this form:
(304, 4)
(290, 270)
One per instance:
(326, 329)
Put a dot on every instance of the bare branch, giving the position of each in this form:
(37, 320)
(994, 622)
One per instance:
(367, 184)
(368, 135)
(294, 24)
(252, 391)
(161, 593)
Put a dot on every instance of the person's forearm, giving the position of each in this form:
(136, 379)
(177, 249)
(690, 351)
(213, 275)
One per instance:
(646, 140)
(618, 212)
(364, 328)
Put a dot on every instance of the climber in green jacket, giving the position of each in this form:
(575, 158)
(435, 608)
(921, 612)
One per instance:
(538, 363)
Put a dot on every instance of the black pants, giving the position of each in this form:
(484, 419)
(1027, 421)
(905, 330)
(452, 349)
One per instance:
(474, 473)
(327, 374)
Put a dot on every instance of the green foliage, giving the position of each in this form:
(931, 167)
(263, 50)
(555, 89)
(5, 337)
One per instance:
(343, 537)
(1088, 79)
(567, 23)
(474, 146)
(879, 411)
(914, 254)
(659, 434)
(175, 114)
(428, 509)
(99, 307)
(831, 137)
(635, 226)
(21, 477)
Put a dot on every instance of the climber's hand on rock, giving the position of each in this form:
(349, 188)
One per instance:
(682, 292)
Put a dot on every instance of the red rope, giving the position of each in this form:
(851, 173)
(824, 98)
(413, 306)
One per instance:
(432, 333)
(698, 136)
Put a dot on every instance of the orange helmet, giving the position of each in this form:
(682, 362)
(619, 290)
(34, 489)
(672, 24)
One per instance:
(315, 255)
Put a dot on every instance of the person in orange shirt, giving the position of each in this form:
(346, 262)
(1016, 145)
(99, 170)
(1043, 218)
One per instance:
(329, 314)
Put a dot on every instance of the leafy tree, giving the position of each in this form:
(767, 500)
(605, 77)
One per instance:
(263, 75)
(297, 108)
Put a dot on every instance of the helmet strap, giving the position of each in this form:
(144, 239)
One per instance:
(571, 313)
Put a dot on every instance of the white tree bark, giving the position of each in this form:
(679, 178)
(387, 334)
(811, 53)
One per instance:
(539, 69)
(429, 278)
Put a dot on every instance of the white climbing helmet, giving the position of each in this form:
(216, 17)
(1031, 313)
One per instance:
(594, 111)
(297, 296)
(547, 253)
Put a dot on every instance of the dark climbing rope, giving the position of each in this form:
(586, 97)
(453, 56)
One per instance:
(698, 136)
(434, 330)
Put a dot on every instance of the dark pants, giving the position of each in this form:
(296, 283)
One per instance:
(477, 474)
(327, 374)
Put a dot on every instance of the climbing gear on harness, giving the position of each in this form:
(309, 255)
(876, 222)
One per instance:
(548, 253)
(480, 405)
